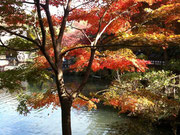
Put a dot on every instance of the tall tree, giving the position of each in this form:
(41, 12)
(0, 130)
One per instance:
(33, 20)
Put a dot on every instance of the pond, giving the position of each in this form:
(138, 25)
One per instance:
(103, 121)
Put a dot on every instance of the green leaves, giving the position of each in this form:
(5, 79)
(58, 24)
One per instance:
(22, 106)
(19, 43)
(12, 79)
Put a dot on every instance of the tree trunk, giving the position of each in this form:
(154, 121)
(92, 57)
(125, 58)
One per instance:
(66, 104)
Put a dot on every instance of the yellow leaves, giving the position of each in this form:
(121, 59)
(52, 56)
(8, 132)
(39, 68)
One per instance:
(127, 52)
(91, 105)
(145, 101)
(148, 10)
(147, 39)
(128, 102)
(124, 52)
(166, 10)
(84, 101)
(172, 18)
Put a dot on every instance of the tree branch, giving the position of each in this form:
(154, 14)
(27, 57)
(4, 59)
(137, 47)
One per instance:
(51, 29)
(101, 20)
(42, 48)
(48, 58)
(106, 46)
(86, 76)
(15, 49)
(63, 24)
(80, 5)
(43, 32)
(19, 35)
(27, 2)
(60, 37)
(101, 32)
(82, 30)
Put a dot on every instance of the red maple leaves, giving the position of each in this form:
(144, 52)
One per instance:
(113, 61)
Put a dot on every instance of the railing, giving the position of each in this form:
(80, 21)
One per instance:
(157, 62)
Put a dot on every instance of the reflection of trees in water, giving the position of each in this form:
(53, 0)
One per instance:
(104, 120)
(71, 82)
(39, 86)
(93, 84)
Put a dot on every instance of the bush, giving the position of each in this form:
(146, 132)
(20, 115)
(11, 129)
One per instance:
(152, 95)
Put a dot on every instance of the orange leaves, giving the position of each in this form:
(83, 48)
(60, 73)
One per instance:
(41, 62)
(90, 104)
(172, 18)
(114, 102)
(95, 100)
(121, 5)
(125, 61)
(78, 103)
(127, 102)
(96, 66)
(122, 59)
(124, 103)
(107, 11)
(39, 100)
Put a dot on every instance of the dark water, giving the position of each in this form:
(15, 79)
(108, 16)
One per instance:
(103, 121)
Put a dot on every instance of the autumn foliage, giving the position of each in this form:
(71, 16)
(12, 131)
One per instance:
(47, 99)
(106, 24)
(123, 60)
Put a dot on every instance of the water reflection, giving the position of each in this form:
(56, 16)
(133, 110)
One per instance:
(103, 121)
(72, 81)
(46, 122)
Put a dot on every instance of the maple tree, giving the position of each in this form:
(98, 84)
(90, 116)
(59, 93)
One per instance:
(33, 20)
(156, 25)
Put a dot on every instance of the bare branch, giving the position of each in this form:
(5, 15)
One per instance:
(101, 20)
(80, 5)
(101, 32)
(82, 30)
(27, 2)
(58, 48)
(83, 98)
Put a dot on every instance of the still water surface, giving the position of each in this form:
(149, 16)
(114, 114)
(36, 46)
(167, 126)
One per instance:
(103, 121)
